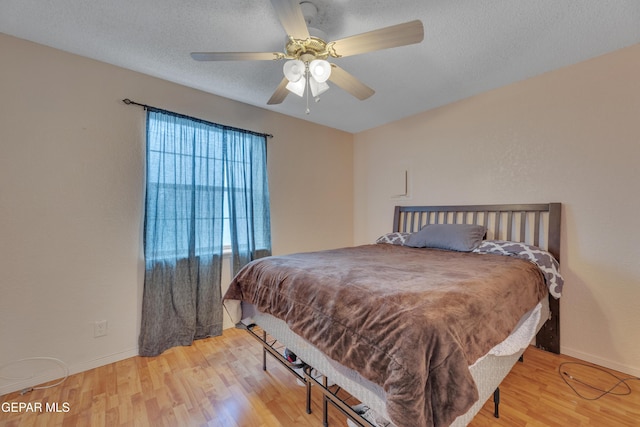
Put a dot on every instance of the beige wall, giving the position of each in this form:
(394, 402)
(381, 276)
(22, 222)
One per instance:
(71, 198)
(570, 136)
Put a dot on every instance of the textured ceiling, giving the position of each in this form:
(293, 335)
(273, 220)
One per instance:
(470, 46)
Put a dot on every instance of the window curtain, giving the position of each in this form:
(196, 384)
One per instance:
(248, 195)
(182, 232)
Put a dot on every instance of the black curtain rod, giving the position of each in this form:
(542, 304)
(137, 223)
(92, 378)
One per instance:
(148, 107)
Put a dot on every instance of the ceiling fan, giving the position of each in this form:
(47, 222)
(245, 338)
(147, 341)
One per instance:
(307, 68)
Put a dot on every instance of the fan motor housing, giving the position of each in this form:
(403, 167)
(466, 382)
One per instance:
(307, 49)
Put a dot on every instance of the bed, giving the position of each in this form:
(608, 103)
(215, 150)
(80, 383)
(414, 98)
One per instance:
(419, 333)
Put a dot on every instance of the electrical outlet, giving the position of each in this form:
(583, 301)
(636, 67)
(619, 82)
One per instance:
(99, 328)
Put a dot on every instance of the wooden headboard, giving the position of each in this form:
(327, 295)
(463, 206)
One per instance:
(534, 224)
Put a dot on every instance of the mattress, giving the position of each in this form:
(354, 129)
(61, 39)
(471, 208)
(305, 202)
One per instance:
(487, 372)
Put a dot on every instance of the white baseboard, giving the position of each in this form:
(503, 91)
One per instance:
(55, 373)
(627, 369)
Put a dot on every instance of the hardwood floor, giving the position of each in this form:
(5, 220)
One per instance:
(220, 382)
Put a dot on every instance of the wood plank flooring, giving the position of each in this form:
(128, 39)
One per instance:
(220, 382)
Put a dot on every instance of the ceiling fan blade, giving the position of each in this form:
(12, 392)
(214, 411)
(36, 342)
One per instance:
(383, 38)
(349, 83)
(235, 56)
(280, 94)
(290, 16)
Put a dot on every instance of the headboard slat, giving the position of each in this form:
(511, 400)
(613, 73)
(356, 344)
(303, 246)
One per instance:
(509, 224)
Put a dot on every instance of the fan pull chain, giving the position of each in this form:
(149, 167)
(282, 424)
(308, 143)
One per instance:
(307, 88)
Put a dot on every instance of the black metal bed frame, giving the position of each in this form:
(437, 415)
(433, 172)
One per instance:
(329, 395)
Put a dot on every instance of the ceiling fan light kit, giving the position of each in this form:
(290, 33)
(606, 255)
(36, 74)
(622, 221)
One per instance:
(307, 69)
(307, 76)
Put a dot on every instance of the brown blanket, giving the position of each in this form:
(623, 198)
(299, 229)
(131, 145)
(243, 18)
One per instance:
(411, 320)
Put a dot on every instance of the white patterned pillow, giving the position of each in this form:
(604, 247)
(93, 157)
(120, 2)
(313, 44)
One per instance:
(397, 238)
(543, 259)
